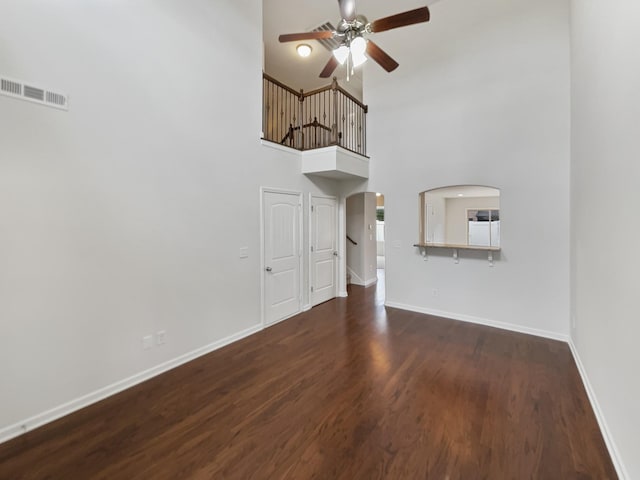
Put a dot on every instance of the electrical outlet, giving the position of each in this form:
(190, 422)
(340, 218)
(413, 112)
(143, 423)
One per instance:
(244, 252)
(161, 337)
(147, 342)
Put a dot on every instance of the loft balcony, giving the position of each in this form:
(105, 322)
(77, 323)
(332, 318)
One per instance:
(327, 125)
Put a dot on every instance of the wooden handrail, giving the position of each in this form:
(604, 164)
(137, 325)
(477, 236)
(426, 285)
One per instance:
(302, 94)
(280, 84)
(353, 99)
(316, 91)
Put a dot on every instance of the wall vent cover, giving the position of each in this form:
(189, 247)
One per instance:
(27, 91)
(329, 43)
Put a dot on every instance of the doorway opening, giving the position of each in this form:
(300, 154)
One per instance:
(380, 257)
(365, 252)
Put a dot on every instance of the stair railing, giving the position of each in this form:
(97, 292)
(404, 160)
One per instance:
(319, 118)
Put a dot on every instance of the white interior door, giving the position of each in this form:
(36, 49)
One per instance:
(323, 253)
(282, 255)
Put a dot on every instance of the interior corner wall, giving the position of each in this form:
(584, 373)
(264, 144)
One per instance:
(125, 215)
(481, 97)
(355, 230)
(361, 227)
(369, 240)
(605, 172)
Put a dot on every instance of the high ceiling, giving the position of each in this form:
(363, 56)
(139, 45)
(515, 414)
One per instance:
(290, 16)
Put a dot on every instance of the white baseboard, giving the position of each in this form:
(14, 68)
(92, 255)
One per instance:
(356, 280)
(343, 294)
(606, 434)
(306, 308)
(55, 413)
(481, 321)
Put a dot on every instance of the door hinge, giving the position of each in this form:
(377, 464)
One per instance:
(312, 207)
(311, 289)
(312, 248)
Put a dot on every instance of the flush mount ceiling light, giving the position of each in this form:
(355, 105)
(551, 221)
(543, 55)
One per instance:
(304, 50)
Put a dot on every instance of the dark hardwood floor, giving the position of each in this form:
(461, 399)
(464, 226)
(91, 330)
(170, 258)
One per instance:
(349, 390)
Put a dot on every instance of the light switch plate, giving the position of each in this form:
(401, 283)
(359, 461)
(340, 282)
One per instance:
(147, 342)
(244, 252)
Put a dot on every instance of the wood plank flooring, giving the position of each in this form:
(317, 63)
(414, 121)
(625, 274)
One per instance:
(349, 390)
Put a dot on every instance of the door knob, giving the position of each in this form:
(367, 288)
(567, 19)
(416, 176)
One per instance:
(268, 269)
(335, 254)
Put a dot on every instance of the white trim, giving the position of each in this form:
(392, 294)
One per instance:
(614, 453)
(370, 282)
(356, 280)
(342, 247)
(60, 411)
(481, 321)
(306, 308)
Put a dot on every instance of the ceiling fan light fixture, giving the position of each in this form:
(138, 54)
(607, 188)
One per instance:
(358, 58)
(358, 46)
(341, 53)
(303, 50)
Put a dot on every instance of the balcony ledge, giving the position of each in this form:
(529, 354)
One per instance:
(331, 162)
(335, 162)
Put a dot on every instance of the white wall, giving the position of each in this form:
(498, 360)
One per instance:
(605, 173)
(355, 230)
(481, 97)
(369, 244)
(361, 258)
(125, 215)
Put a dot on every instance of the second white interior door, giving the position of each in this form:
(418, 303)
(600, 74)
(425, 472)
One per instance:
(323, 253)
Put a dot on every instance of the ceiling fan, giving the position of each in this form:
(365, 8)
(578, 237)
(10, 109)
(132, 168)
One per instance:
(353, 31)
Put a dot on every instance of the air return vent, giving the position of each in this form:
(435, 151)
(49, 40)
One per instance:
(27, 91)
(329, 43)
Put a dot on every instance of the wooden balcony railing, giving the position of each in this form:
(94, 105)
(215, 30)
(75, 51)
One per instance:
(320, 118)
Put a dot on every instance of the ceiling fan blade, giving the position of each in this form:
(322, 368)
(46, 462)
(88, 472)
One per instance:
(380, 56)
(411, 17)
(329, 68)
(347, 9)
(294, 37)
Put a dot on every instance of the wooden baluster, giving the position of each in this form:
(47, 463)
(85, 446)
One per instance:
(334, 127)
(301, 118)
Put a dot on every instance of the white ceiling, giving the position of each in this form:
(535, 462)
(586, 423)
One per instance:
(292, 16)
